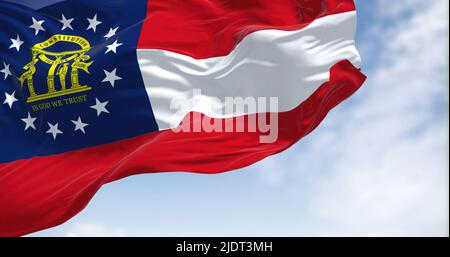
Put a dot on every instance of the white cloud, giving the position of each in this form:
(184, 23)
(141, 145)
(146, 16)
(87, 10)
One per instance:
(93, 230)
(380, 165)
(268, 175)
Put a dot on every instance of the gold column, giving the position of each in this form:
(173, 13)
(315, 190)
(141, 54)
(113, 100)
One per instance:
(51, 76)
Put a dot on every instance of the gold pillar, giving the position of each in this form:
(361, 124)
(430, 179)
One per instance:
(51, 76)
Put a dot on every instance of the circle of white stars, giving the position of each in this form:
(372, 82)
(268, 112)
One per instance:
(111, 76)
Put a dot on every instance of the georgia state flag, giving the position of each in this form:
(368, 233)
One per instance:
(94, 91)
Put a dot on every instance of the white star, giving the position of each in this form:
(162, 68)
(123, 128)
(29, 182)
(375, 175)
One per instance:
(111, 77)
(37, 26)
(100, 107)
(79, 125)
(29, 122)
(10, 99)
(16, 43)
(6, 70)
(113, 47)
(93, 23)
(111, 33)
(53, 129)
(66, 22)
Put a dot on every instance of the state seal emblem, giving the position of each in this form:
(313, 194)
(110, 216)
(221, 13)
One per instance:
(59, 64)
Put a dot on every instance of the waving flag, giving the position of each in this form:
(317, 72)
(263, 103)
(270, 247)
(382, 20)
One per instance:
(94, 91)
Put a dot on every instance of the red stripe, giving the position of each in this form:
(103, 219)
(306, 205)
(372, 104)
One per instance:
(46, 191)
(212, 28)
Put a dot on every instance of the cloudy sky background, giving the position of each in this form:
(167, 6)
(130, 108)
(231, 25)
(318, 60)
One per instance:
(377, 165)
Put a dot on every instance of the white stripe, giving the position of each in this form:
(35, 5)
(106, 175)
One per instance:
(290, 65)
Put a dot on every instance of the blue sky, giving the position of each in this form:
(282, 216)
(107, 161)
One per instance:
(377, 165)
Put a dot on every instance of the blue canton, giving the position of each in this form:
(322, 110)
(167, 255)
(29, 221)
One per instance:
(69, 77)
